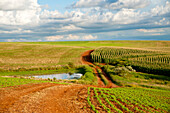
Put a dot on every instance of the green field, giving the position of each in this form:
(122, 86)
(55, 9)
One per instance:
(129, 100)
(162, 45)
(6, 82)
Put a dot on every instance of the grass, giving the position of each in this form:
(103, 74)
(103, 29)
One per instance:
(17, 77)
(102, 77)
(136, 79)
(138, 44)
(7, 82)
(15, 56)
(42, 72)
(89, 77)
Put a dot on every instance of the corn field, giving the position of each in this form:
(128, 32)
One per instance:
(155, 62)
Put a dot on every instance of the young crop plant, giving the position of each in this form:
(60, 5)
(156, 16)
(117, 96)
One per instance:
(89, 101)
(132, 100)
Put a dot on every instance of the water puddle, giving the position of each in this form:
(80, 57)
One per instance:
(60, 76)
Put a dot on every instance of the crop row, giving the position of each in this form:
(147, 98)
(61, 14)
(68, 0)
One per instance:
(141, 60)
(129, 100)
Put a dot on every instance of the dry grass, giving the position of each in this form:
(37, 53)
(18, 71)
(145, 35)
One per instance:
(14, 56)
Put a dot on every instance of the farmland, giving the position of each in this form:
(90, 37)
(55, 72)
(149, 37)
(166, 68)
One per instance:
(128, 100)
(119, 76)
(144, 61)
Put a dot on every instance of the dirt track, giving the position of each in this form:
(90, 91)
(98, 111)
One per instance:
(86, 60)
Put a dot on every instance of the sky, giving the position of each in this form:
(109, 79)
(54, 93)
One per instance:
(82, 20)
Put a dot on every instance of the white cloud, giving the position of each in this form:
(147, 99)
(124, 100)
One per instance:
(70, 27)
(72, 37)
(19, 30)
(87, 3)
(89, 37)
(19, 12)
(112, 4)
(51, 14)
(17, 40)
(127, 16)
(11, 5)
(130, 4)
(150, 30)
(54, 38)
(161, 9)
(157, 34)
(163, 21)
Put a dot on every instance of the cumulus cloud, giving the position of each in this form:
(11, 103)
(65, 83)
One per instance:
(150, 30)
(11, 5)
(130, 4)
(157, 34)
(70, 27)
(161, 9)
(19, 12)
(17, 40)
(19, 30)
(87, 3)
(54, 38)
(111, 4)
(51, 14)
(163, 21)
(72, 37)
(89, 37)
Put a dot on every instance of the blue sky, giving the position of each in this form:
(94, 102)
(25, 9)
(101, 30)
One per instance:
(60, 5)
(69, 20)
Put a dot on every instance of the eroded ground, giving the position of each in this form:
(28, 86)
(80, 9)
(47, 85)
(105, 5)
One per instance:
(44, 98)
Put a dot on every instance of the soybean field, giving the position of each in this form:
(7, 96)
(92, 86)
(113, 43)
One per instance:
(128, 100)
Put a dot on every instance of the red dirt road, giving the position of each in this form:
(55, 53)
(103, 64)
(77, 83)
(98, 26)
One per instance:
(85, 58)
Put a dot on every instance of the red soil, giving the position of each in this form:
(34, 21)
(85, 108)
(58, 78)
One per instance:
(43, 98)
(85, 58)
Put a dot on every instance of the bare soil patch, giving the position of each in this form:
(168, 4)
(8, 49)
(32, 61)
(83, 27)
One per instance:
(44, 98)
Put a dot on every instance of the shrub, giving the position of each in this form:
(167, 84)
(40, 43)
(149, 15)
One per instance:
(71, 65)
